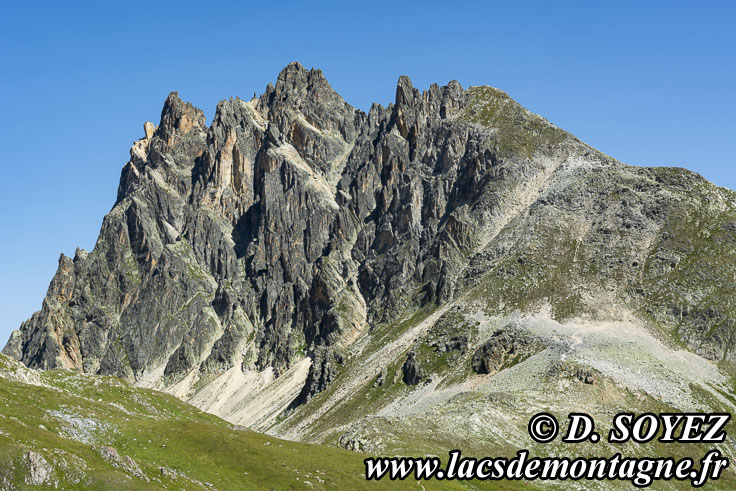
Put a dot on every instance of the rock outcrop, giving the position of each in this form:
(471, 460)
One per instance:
(505, 348)
(39, 470)
(412, 372)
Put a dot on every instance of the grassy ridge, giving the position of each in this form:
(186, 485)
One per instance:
(75, 421)
(171, 444)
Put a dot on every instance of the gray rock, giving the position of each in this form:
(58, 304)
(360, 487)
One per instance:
(39, 470)
(574, 372)
(323, 370)
(381, 377)
(109, 453)
(14, 347)
(504, 349)
(412, 370)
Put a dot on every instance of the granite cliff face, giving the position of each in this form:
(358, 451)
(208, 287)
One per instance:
(246, 264)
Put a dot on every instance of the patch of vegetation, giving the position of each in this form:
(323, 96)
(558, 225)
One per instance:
(174, 445)
(544, 273)
(518, 130)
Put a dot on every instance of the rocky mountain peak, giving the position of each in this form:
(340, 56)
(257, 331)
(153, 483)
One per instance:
(294, 77)
(268, 244)
(306, 95)
(405, 91)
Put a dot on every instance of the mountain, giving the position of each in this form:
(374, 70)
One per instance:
(434, 271)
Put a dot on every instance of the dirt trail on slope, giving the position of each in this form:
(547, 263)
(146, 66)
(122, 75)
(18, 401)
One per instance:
(577, 339)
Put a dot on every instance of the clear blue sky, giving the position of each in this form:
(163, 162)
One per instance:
(650, 83)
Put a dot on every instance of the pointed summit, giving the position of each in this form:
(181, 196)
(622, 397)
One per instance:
(405, 91)
(299, 91)
(295, 76)
(292, 71)
(180, 115)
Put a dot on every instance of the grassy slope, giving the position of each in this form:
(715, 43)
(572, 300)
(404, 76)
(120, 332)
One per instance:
(71, 418)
